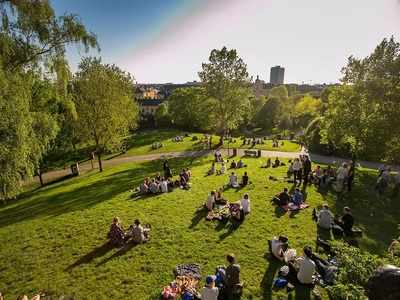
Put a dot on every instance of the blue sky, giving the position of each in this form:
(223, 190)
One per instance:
(167, 40)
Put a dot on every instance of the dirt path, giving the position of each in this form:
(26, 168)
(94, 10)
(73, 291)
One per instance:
(87, 166)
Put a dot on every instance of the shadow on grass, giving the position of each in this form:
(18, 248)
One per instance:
(231, 228)
(269, 275)
(96, 252)
(200, 214)
(123, 250)
(83, 196)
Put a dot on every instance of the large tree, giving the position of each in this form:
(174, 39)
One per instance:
(105, 104)
(32, 50)
(362, 114)
(191, 109)
(226, 80)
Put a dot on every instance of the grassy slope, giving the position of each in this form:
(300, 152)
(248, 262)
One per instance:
(54, 239)
(141, 143)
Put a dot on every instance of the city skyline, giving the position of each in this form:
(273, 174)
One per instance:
(166, 41)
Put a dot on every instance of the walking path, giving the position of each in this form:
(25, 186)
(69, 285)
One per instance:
(87, 166)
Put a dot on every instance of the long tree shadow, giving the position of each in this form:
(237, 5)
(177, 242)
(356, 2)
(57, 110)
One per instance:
(82, 195)
(87, 258)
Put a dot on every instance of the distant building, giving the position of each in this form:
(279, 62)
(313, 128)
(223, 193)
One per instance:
(277, 75)
(148, 107)
(259, 88)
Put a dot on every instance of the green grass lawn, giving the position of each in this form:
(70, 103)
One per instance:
(140, 143)
(54, 239)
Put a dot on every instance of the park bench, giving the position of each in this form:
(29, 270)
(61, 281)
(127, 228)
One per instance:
(251, 152)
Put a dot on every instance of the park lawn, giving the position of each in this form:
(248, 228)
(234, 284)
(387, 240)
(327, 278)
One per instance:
(141, 142)
(54, 239)
(288, 146)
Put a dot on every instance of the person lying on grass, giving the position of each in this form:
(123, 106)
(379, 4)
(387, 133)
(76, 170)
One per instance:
(138, 233)
(233, 181)
(116, 235)
(282, 199)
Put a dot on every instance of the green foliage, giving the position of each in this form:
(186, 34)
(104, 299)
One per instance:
(362, 114)
(305, 110)
(279, 92)
(104, 102)
(226, 80)
(356, 267)
(191, 109)
(270, 114)
(162, 117)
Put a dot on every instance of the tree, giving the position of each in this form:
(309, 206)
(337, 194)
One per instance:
(105, 106)
(191, 109)
(362, 115)
(32, 48)
(226, 80)
(162, 117)
(270, 114)
(305, 110)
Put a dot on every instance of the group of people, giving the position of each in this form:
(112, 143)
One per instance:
(234, 183)
(118, 236)
(238, 209)
(339, 224)
(164, 184)
(298, 270)
(225, 284)
(277, 163)
(283, 199)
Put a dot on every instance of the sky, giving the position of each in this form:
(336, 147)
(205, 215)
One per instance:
(160, 41)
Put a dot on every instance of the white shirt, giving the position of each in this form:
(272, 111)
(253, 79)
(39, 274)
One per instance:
(210, 202)
(306, 270)
(342, 173)
(297, 165)
(245, 203)
(233, 180)
(325, 218)
(276, 247)
(164, 186)
(209, 293)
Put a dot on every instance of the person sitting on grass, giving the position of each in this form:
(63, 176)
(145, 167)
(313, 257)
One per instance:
(164, 185)
(222, 171)
(240, 164)
(116, 235)
(232, 284)
(212, 169)
(210, 201)
(183, 184)
(143, 187)
(245, 204)
(346, 221)
(210, 291)
(277, 163)
(297, 198)
(139, 234)
(233, 181)
(153, 187)
(233, 165)
(279, 247)
(306, 267)
(185, 175)
(267, 164)
(158, 177)
(325, 217)
(219, 199)
(282, 199)
(245, 179)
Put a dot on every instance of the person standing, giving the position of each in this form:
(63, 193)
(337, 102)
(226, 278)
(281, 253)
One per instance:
(297, 166)
(307, 169)
(350, 175)
(232, 279)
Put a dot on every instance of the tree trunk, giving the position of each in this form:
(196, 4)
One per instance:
(100, 163)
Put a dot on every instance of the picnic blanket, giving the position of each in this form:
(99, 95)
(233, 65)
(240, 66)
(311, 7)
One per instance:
(219, 213)
(188, 270)
(292, 207)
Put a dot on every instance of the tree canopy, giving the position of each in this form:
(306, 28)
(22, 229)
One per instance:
(226, 80)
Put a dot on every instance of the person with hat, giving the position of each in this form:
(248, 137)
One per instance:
(209, 292)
